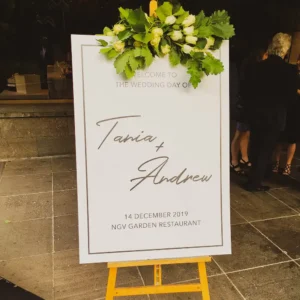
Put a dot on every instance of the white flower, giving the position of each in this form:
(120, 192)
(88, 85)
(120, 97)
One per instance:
(188, 21)
(119, 46)
(170, 20)
(166, 49)
(176, 35)
(191, 39)
(210, 42)
(118, 28)
(189, 30)
(187, 49)
(155, 41)
(157, 32)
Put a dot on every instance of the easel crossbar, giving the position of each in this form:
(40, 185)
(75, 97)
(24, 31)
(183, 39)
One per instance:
(158, 262)
(164, 289)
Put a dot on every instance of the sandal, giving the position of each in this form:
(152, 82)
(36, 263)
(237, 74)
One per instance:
(245, 164)
(239, 172)
(287, 170)
(275, 167)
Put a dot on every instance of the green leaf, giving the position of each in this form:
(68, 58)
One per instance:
(194, 69)
(176, 27)
(204, 31)
(146, 53)
(134, 63)
(112, 54)
(224, 31)
(218, 43)
(181, 18)
(198, 55)
(122, 61)
(178, 11)
(212, 65)
(105, 50)
(143, 37)
(164, 11)
(201, 43)
(220, 17)
(103, 43)
(138, 20)
(106, 30)
(124, 13)
(199, 19)
(124, 35)
(174, 57)
(129, 73)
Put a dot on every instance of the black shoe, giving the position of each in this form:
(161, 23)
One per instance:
(257, 189)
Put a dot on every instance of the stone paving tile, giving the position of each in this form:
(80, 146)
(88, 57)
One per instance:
(25, 207)
(178, 273)
(259, 206)
(65, 233)
(236, 218)
(65, 203)
(34, 274)
(250, 249)
(25, 238)
(2, 166)
(283, 232)
(28, 166)
(28, 184)
(63, 164)
(279, 282)
(220, 289)
(64, 181)
(289, 196)
(75, 281)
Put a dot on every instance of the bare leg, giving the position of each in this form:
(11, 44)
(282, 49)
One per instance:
(277, 152)
(244, 145)
(235, 148)
(290, 153)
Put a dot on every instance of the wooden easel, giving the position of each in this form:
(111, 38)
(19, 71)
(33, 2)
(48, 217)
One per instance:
(158, 287)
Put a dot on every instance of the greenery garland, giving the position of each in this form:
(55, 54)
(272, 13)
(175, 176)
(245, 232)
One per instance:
(188, 40)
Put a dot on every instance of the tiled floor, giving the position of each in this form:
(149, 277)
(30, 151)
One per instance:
(39, 241)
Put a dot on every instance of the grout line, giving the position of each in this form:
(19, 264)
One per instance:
(259, 267)
(37, 174)
(50, 191)
(270, 219)
(38, 158)
(143, 281)
(53, 283)
(284, 252)
(283, 202)
(236, 288)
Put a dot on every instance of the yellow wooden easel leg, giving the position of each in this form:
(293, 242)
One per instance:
(203, 280)
(112, 277)
(157, 275)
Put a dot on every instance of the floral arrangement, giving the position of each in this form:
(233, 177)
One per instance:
(187, 39)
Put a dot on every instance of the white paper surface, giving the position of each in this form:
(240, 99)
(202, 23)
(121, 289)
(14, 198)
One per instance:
(152, 160)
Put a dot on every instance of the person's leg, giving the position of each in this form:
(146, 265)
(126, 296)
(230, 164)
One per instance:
(264, 143)
(290, 156)
(244, 145)
(290, 153)
(235, 148)
(276, 161)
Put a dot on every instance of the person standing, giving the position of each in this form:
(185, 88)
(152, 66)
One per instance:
(240, 143)
(291, 134)
(271, 86)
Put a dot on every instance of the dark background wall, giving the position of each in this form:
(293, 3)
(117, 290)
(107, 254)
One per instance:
(24, 22)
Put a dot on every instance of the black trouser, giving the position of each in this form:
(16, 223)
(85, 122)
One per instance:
(262, 144)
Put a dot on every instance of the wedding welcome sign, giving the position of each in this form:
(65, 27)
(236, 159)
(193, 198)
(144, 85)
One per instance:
(152, 159)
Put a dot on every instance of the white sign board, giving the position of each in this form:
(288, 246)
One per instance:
(152, 160)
